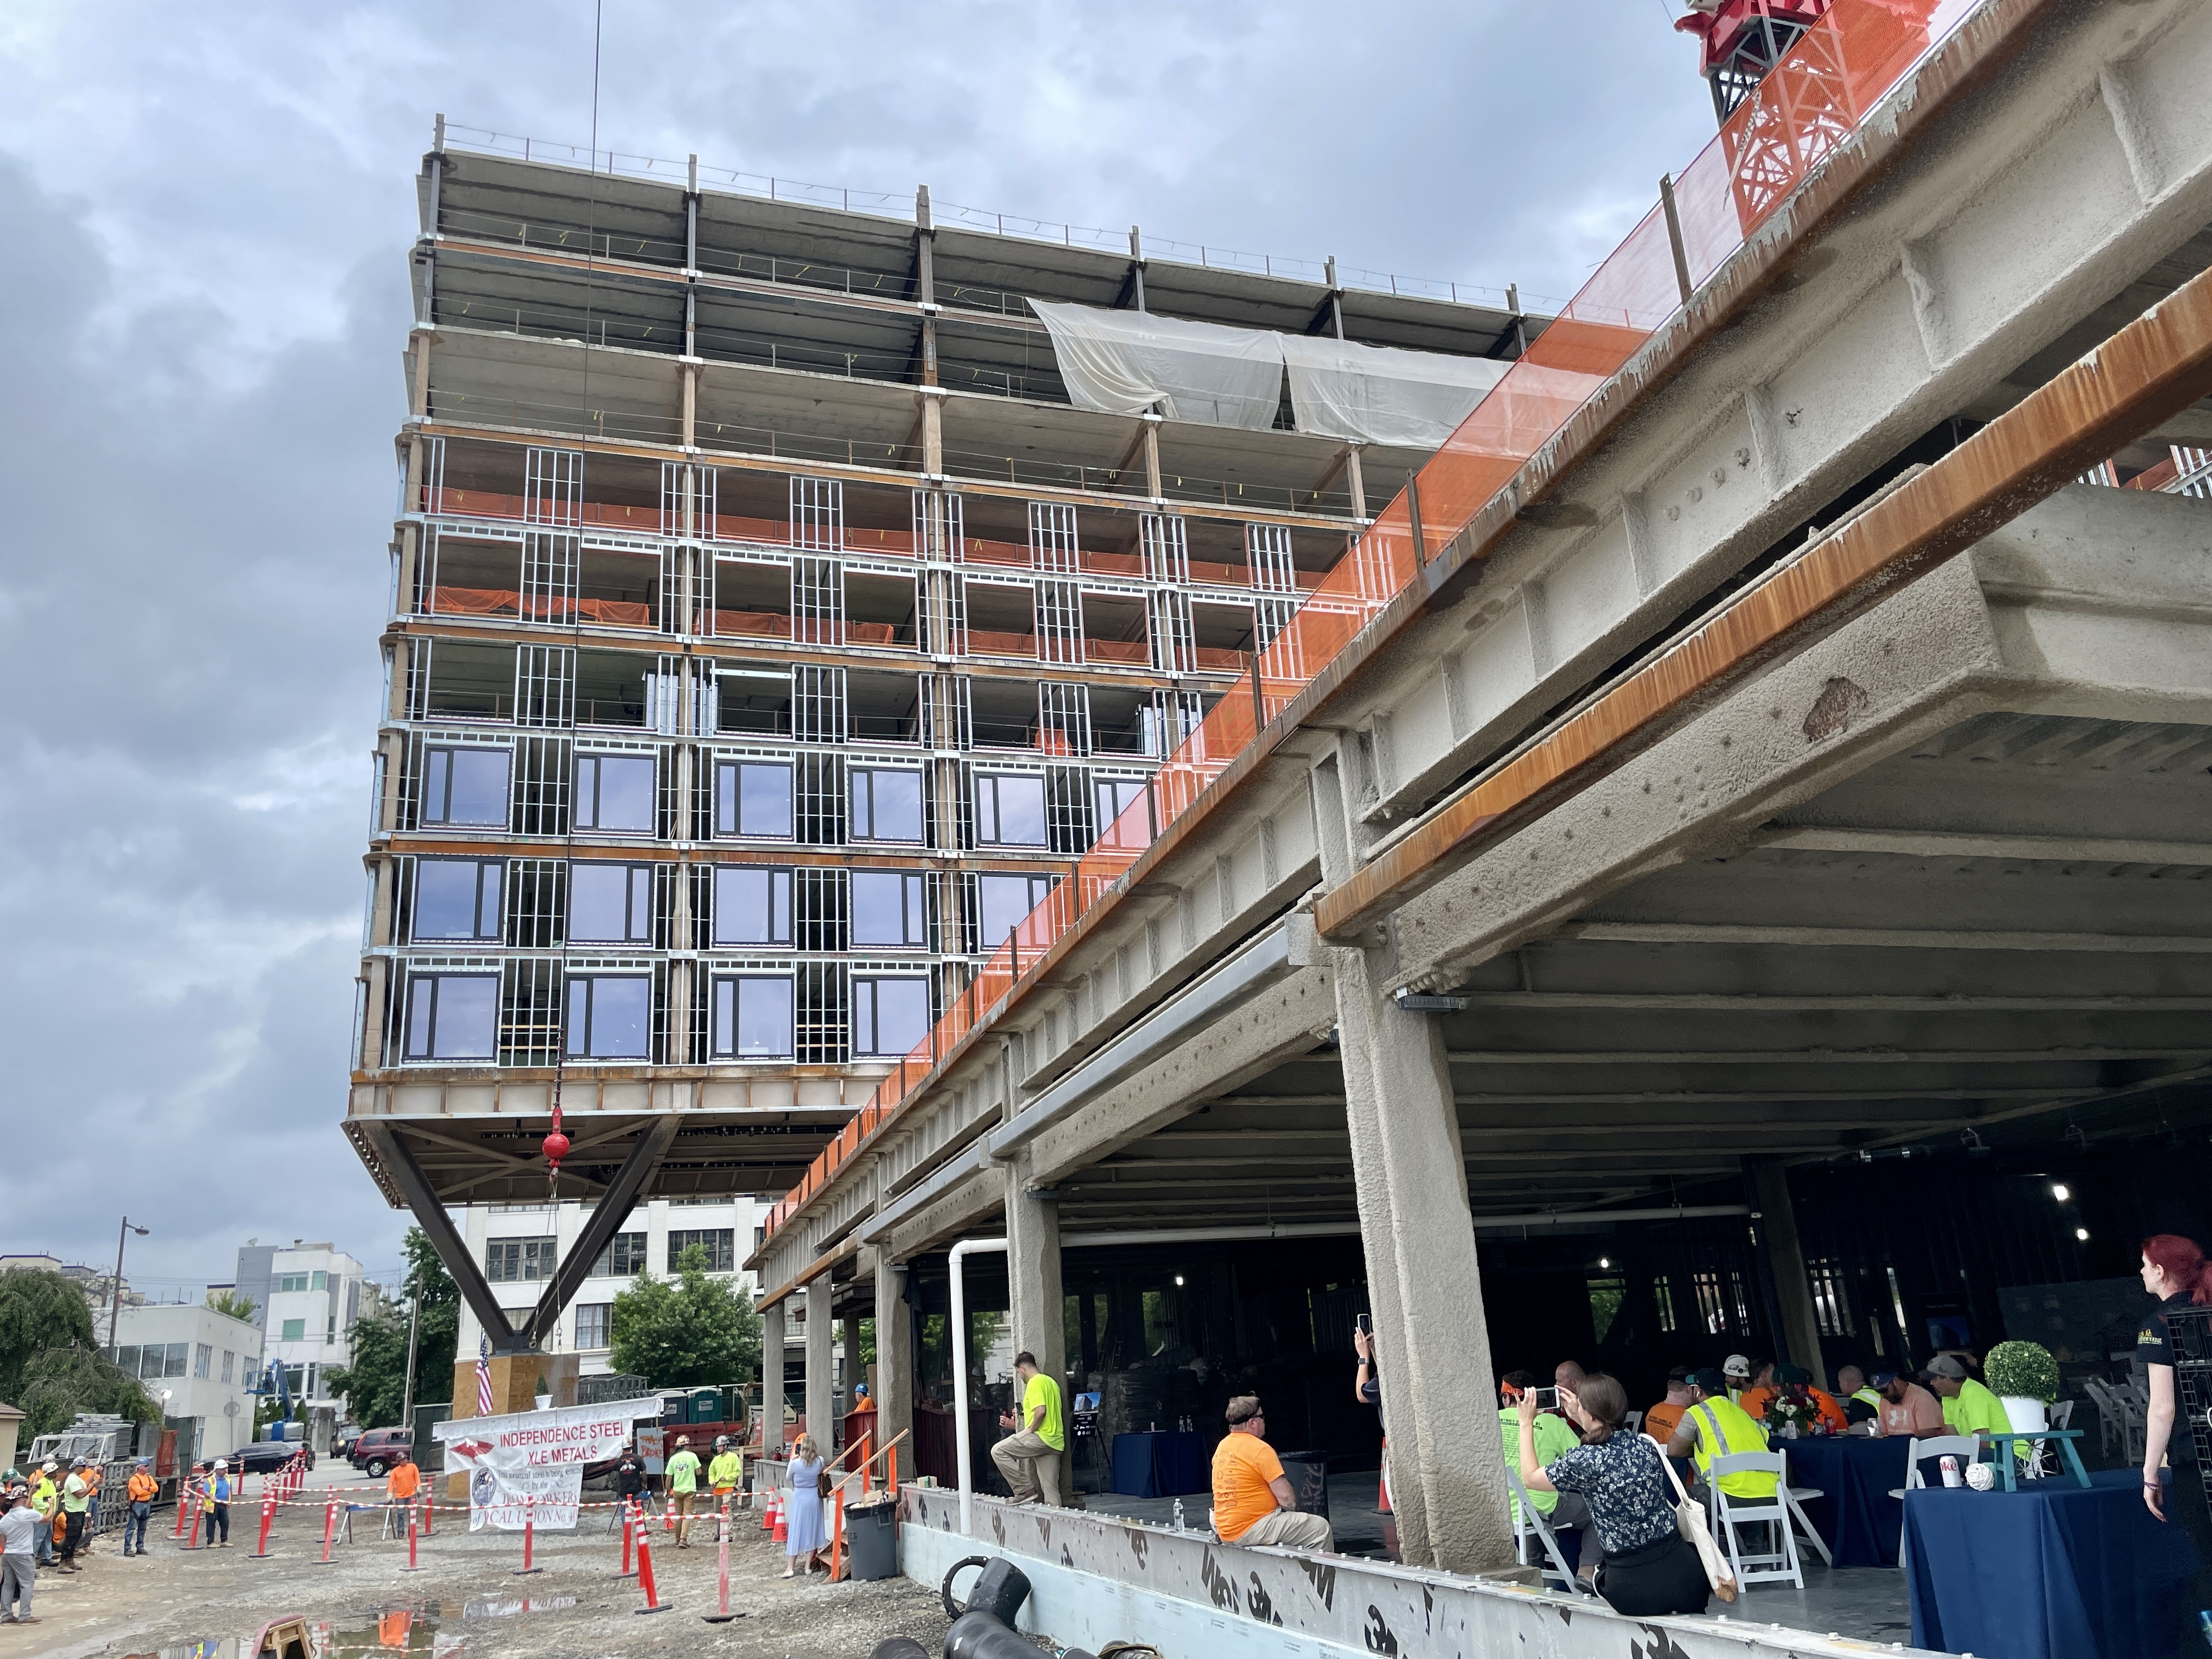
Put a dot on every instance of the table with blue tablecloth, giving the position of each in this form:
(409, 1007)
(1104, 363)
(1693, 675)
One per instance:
(1162, 1464)
(2052, 1571)
(1855, 1514)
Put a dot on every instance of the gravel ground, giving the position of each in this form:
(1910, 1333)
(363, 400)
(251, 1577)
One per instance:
(466, 1598)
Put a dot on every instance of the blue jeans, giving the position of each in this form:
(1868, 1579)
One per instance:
(134, 1528)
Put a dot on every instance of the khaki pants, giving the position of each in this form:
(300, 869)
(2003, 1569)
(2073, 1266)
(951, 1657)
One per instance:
(1031, 1468)
(683, 1500)
(1291, 1528)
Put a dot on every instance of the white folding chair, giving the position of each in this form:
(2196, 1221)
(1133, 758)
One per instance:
(1635, 1422)
(1528, 1523)
(1777, 1558)
(2110, 1420)
(1796, 1496)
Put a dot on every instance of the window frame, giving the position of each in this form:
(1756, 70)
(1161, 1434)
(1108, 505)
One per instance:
(867, 988)
(427, 1018)
(861, 805)
(490, 913)
(588, 818)
(527, 1252)
(634, 1247)
(636, 877)
(730, 824)
(779, 898)
(588, 983)
(717, 1049)
(437, 783)
(720, 1243)
(602, 1327)
(294, 1330)
(994, 814)
(913, 909)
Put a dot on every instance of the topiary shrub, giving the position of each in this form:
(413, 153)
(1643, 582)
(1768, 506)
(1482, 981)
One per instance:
(2021, 1371)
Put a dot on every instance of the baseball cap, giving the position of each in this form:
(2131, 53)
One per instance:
(145, 1463)
(1880, 1379)
(1710, 1380)
(1797, 1375)
(1944, 1364)
(1737, 1365)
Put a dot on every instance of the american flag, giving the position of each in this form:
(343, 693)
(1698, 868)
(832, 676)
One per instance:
(483, 1378)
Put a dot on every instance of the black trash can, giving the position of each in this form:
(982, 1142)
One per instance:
(1308, 1473)
(872, 1539)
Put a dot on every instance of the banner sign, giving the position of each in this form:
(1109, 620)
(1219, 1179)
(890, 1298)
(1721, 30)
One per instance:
(535, 1455)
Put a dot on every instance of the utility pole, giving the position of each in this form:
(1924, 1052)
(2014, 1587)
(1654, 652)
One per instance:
(414, 1331)
(115, 1291)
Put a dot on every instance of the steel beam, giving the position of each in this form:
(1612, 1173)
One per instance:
(607, 1217)
(452, 1250)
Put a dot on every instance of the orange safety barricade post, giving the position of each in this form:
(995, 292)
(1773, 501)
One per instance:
(837, 1538)
(628, 1520)
(721, 1615)
(529, 1534)
(414, 1562)
(645, 1581)
(268, 1520)
(330, 1532)
(890, 1470)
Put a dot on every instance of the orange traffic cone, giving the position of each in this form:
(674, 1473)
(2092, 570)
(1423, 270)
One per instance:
(782, 1523)
(769, 1509)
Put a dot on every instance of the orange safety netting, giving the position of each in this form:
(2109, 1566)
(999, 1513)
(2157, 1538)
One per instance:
(507, 602)
(1820, 91)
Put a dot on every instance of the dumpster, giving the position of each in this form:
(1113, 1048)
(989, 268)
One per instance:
(1308, 1473)
(871, 1541)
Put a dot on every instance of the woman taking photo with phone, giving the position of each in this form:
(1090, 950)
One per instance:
(1650, 1568)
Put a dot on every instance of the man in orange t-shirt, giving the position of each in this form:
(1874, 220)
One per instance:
(1663, 1418)
(404, 1480)
(1253, 1502)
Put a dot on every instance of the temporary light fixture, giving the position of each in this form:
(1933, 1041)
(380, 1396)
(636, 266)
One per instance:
(1605, 1262)
(2060, 1191)
(2082, 1233)
(1178, 1279)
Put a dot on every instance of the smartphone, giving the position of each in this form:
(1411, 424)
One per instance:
(1364, 1323)
(1547, 1399)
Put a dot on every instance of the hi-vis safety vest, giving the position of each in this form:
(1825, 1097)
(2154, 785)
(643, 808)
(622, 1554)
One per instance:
(1724, 1429)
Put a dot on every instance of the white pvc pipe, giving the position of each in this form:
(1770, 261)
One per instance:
(965, 1247)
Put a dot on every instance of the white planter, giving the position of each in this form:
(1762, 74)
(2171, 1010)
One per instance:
(545, 1404)
(2025, 1414)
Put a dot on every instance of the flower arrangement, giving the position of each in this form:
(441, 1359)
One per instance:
(1793, 1408)
(2021, 1371)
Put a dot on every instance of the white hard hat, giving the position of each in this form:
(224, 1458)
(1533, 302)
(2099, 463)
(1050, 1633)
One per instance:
(222, 1463)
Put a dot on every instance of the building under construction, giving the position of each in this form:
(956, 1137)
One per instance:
(786, 594)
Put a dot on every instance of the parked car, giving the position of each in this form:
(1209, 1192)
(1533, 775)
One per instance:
(377, 1450)
(260, 1456)
(342, 1440)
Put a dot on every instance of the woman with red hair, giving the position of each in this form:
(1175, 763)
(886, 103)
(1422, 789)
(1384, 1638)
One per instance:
(2174, 1271)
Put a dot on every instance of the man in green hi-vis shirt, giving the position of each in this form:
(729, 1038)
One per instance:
(1029, 1456)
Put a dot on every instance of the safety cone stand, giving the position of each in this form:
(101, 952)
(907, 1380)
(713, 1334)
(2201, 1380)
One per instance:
(261, 1551)
(529, 1535)
(722, 1615)
(414, 1565)
(782, 1522)
(330, 1533)
(644, 1580)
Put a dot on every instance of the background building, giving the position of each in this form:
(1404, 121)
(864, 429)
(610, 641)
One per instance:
(306, 1296)
(200, 1365)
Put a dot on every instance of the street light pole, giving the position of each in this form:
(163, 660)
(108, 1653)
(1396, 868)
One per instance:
(115, 1293)
(414, 1330)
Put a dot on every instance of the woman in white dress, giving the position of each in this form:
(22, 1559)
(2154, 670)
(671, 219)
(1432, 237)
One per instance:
(807, 1536)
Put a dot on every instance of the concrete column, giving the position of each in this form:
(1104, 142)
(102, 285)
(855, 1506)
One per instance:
(1357, 480)
(894, 1358)
(772, 1338)
(691, 374)
(1785, 1258)
(1152, 486)
(1410, 1179)
(1033, 1277)
(932, 432)
(850, 1325)
(821, 1402)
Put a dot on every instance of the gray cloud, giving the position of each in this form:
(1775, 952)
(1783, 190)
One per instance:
(208, 213)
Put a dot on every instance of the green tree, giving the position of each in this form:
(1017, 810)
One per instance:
(375, 1384)
(50, 1364)
(231, 1303)
(692, 1331)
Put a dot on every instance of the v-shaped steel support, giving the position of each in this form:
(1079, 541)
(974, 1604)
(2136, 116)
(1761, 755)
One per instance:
(613, 1209)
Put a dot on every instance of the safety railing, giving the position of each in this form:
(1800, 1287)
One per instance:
(1813, 101)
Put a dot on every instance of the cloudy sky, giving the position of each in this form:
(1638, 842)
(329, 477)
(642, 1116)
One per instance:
(202, 304)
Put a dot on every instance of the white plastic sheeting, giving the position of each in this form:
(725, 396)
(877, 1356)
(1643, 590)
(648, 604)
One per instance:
(1383, 394)
(1123, 363)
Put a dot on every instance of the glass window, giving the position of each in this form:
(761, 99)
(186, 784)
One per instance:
(174, 1359)
(1010, 809)
(891, 1017)
(230, 1365)
(615, 793)
(292, 1282)
(295, 1330)
(752, 1017)
(318, 1280)
(752, 907)
(889, 909)
(886, 804)
(719, 1243)
(753, 798)
(1114, 796)
(126, 1360)
(511, 1260)
(457, 898)
(203, 1358)
(464, 786)
(611, 1016)
(594, 1324)
(1004, 902)
(611, 904)
(451, 1016)
(623, 1258)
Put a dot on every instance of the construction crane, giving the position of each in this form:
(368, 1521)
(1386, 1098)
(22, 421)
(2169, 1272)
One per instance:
(1741, 40)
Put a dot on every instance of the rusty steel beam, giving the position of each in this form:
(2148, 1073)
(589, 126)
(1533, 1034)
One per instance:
(2151, 370)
